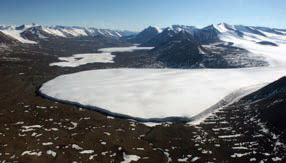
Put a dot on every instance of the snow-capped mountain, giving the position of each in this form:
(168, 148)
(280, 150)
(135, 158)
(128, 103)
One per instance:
(168, 33)
(222, 45)
(4, 39)
(216, 31)
(16, 31)
(30, 33)
(215, 46)
(144, 36)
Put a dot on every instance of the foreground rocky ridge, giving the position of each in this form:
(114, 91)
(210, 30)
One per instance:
(268, 104)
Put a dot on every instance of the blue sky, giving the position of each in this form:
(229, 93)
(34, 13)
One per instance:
(138, 14)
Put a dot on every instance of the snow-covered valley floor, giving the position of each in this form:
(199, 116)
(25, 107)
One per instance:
(165, 94)
(152, 94)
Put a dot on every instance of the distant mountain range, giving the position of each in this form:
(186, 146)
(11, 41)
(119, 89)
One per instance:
(28, 33)
(218, 46)
(215, 46)
(209, 33)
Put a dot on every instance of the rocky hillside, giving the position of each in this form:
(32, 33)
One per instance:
(269, 103)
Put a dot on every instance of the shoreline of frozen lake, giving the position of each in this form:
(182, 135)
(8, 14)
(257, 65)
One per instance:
(154, 94)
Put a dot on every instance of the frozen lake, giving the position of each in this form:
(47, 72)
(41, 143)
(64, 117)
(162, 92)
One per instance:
(104, 56)
(155, 93)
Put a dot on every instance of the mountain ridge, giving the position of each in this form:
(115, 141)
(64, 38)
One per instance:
(201, 34)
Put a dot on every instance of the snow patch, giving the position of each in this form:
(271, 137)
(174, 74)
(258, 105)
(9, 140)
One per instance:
(77, 147)
(87, 152)
(47, 143)
(229, 136)
(31, 153)
(30, 128)
(129, 158)
(51, 152)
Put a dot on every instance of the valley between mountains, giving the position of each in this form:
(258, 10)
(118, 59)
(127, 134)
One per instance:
(173, 94)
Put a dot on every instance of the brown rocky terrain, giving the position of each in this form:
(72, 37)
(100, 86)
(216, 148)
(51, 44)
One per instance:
(35, 129)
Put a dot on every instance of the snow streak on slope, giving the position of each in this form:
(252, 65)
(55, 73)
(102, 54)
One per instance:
(62, 31)
(159, 30)
(149, 94)
(104, 57)
(123, 49)
(54, 32)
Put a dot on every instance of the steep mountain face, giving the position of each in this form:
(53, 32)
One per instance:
(4, 39)
(181, 50)
(269, 103)
(16, 31)
(167, 34)
(144, 36)
(206, 34)
(182, 54)
(35, 33)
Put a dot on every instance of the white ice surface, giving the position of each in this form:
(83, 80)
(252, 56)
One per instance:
(104, 57)
(82, 59)
(155, 93)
